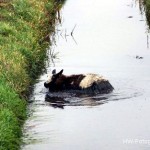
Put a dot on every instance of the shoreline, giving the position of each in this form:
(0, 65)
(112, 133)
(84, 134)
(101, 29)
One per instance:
(24, 38)
(145, 5)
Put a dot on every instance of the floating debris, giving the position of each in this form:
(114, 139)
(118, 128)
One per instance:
(139, 57)
(130, 16)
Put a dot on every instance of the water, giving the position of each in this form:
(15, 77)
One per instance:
(107, 37)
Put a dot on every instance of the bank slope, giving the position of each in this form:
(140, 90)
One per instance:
(24, 30)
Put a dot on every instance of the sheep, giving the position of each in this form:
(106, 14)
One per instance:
(82, 83)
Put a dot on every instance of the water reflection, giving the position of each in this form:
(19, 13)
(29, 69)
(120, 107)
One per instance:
(62, 99)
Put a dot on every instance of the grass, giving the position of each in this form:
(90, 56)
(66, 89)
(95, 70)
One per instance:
(146, 4)
(24, 28)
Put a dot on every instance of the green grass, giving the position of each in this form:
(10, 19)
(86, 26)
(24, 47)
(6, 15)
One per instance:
(146, 4)
(24, 24)
(9, 130)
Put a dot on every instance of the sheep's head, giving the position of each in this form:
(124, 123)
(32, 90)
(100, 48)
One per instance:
(54, 81)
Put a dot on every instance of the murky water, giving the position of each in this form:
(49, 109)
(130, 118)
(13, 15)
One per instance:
(107, 37)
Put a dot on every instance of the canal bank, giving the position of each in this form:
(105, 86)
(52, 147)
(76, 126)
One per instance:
(25, 27)
(146, 4)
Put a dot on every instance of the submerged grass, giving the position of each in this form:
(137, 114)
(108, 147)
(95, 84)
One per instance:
(24, 30)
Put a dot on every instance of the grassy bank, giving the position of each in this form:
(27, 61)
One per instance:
(146, 4)
(24, 36)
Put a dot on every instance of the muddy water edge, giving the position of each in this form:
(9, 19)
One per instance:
(109, 38)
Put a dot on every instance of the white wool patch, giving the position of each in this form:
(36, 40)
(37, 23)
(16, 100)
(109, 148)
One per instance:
(89, 79)
(49, 79)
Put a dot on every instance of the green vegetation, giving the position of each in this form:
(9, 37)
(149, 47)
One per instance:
(24, 36)
(146, 4)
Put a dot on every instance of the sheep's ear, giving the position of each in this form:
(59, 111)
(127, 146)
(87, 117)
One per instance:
(54, 71)
(61, 72)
